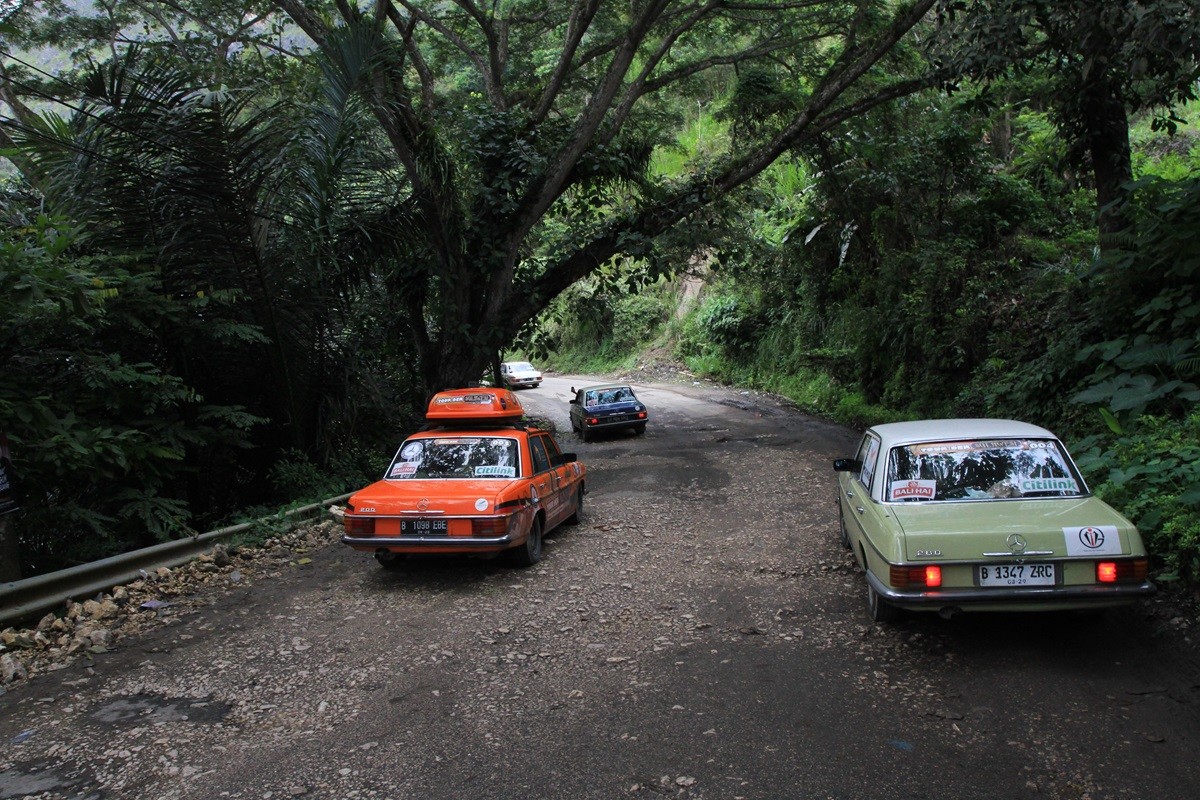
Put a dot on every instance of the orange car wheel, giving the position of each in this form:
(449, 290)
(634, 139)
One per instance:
(530, 553)
(577, 517)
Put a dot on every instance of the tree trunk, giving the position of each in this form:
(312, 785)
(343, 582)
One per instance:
(1108, 145)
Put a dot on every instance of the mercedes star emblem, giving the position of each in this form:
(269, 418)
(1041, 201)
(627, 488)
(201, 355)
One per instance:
(1017, 543)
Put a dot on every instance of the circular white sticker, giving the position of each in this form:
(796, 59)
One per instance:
(481, 504)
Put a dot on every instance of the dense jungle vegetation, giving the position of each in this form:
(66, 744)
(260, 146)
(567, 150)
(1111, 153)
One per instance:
(243, 241)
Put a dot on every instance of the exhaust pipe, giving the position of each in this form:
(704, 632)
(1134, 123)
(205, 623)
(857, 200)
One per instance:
(949, 612)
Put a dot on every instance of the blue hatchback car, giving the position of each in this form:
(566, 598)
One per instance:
(606, 407)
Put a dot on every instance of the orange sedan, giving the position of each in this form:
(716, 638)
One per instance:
(476, 480)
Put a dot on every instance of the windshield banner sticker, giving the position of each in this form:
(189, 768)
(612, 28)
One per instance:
(936, 448)
(1093, 540)
(495, 472)
(912, 490)
(1049, 485)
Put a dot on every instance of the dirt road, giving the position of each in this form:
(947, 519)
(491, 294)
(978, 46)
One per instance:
(701, 635)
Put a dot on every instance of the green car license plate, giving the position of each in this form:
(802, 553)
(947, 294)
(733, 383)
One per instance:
(1015, 575)
(423, 527)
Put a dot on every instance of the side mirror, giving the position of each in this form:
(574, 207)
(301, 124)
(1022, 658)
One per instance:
(847, 465)
(574, 401)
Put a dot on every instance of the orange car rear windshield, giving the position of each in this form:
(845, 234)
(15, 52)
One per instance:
(468, 457)
(980, 470)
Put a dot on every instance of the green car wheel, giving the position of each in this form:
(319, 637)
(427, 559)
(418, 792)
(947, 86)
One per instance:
(879, 609)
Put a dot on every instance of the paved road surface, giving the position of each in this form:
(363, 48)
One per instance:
(701, 635)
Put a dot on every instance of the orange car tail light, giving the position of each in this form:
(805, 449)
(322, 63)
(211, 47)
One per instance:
(490, 527)
(360, 526)
(1128, 571)
(904, 576)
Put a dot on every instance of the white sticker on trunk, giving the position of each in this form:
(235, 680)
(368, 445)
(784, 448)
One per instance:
(912, 490)
(1093, 540)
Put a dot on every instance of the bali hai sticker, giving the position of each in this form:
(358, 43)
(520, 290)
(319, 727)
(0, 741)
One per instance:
(1093, 540)
(912, 490)
(403, 469)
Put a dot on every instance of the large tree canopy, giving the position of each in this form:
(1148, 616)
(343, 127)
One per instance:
(522, 131)
(510, 142)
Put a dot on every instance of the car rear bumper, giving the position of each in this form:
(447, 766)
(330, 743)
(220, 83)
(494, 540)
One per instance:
(1029, 598)
(465, 543)
(616, 423)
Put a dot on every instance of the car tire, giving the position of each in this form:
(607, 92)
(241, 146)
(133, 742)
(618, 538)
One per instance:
(845, 535)
(639, 429)
(880, 609)
(390, 561)
(577, 516)
(583, 432)
(530, 552)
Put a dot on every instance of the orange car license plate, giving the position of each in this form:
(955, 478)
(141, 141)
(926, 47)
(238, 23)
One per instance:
(424, 527)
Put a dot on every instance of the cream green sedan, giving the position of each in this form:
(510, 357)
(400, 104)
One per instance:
(959, 515)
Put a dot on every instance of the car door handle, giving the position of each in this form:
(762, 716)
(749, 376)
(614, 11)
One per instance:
(860, 509)
(849, 494)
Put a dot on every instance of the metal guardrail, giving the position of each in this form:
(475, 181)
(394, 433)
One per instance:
(32, 597)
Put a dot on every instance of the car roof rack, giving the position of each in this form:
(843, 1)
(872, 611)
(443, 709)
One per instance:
(474, 407)
(482, 423)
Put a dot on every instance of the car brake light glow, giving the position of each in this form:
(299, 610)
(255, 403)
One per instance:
(359, 526)
(904, 576)
(1132, 570)
(641, 415)
(592, 420)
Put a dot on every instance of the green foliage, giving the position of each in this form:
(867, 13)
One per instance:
(1147, 291)
(297, 477)
(1152, 473)
(106, 448)
(726, 322)
(603, 321)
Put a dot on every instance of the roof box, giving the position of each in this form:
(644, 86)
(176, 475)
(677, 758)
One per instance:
(486, 406)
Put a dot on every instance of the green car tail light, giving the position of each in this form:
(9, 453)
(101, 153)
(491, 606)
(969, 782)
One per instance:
(904, 576)
(1126, 571)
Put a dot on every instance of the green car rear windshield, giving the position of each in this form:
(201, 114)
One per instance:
(979, 470)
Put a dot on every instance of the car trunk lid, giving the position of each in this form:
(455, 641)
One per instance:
(433, 498)
(968, 530)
